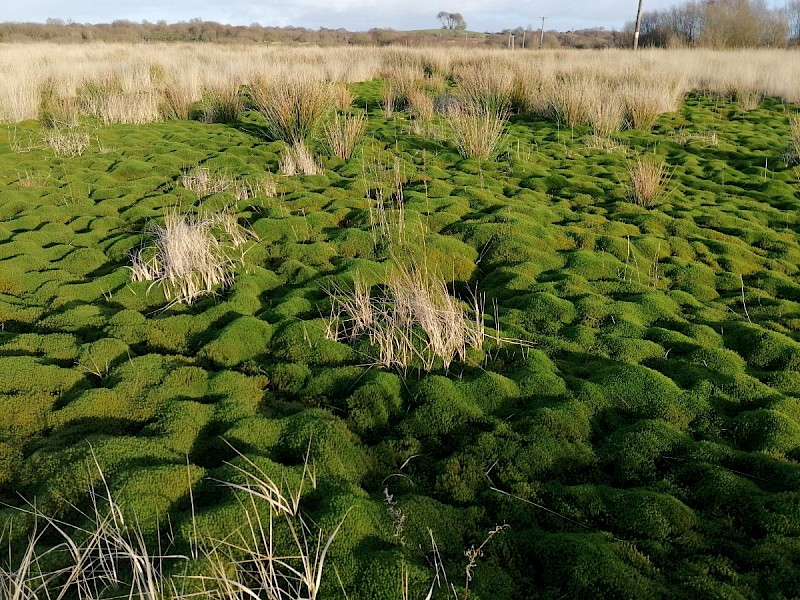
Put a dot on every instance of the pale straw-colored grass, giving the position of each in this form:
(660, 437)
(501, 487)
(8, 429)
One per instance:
(793, 151)
(414, 319)
(292, 107)
(108, 556)
(141, 82)
(190, 256)
(647, 180)
(67, 141)
(297, 159)
(342, 132)
(477, 131)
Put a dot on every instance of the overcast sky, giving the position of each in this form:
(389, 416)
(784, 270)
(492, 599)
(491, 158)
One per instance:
(355, 15)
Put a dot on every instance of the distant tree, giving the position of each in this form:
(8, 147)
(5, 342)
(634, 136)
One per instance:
(719, 24)
(793, 17)
(451, 20)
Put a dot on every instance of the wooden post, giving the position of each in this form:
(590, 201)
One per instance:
(638, 26)
(541, 36)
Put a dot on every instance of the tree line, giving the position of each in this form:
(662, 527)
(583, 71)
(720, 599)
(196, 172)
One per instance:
(198, 30)
(721, 24)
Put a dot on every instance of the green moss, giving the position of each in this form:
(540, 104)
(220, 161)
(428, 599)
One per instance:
(489, 391)
(441, 407)
(542, 312)
(82, 261)
(98, 358)
(633, 454)
(371, 406)
(255, 432)
(242, 339)
(148, 496)
(20, 374)
(591, 565)
(54, 347)
(333, 450)
(720, 360)
(643, 393)
(765, 349)
(305, 342)
(538, 376)
(767, 431)
(180, 424)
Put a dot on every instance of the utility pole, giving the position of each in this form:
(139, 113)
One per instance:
(541, 37)
(638, 26)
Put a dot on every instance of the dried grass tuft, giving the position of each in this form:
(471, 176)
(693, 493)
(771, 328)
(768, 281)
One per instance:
(647, 180)
(298, 159)
(477, 131)
(191, 255)
(292, 107)
(793, 151)
(415, 319)
(67, 141)
(342, 133)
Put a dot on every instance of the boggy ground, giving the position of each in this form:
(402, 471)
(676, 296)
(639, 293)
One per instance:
(642, 443)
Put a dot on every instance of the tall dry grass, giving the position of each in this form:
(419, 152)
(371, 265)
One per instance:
(793, 151)
(414, 319)
(648, 177)
(477, 131)
(292, 107)
(486, 85)
(342, 132)
(108, 556)
(298, 159)
(143, 82)
(190, 255)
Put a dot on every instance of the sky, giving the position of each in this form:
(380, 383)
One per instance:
(355, 15)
